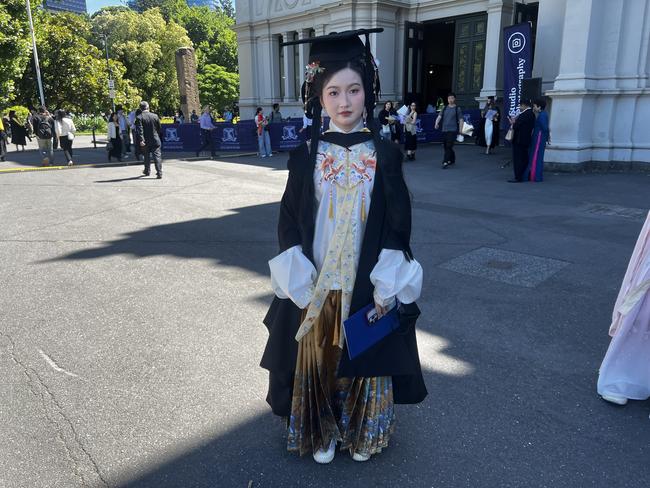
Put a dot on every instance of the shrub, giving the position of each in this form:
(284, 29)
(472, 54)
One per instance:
(21, 112)
(85, 123)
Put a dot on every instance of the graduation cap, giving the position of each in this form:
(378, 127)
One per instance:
(337, 48)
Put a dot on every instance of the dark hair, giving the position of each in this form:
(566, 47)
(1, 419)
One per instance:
(113, 114)
(42, 109)
(540, 102)
(258, 110)
(60, 114)
(388, 101)
(12, 113)
(276, 105)
(451, 94)
(525, 101)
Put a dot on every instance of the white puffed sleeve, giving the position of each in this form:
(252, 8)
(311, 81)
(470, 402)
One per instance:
(394, 276)
(292, 276)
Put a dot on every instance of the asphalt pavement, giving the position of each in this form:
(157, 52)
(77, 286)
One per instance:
(131, 312)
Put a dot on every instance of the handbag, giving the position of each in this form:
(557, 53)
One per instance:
(70, 136)
(510, 134)
(385, 128)
(361, 333)
(460, 138)
(467, 129)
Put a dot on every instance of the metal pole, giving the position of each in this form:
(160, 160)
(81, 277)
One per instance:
(38, 68)
(108, 67)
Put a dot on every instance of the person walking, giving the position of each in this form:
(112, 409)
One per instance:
(386, 120)
(625, 371)
(18, 131)
(207, 126)
(450, 121)
(114, 145)
(522, 130)
(344, 234)
(411, 132)
(150, 134)
(535, 169)
(263, 135)
(136, 145)
(124, 132)
(276, 116)
(3, 139)
(65, 131)
(44, 131)
(491, 116)
(395, 126)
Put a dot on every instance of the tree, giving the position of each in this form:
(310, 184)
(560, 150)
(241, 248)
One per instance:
(15, 46)
(218, 87)
(73, 71)
(225, 6)
(146, 45)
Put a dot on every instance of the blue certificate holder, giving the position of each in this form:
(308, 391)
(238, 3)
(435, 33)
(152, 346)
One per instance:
(361, 332)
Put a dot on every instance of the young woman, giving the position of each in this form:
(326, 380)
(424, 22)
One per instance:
(263, 135)
(625, 372)
(491, 117)
(386, 120)
(18, 131)
(535, 170)
(114, 142)
(344, 230)
(65, 131)
(410, 128)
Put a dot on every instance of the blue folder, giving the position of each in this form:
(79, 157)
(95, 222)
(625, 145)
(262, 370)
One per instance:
(361, 335)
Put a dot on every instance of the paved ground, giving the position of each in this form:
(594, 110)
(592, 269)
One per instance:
(131, 331)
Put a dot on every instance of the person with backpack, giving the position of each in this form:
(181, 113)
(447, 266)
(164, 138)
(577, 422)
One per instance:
(450, 121)
(44, 131)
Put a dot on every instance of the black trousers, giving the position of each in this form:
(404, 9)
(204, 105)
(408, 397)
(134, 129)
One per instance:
(157, 158)
(66, 145)
(519, 160)
(448, 140)
(206, 137)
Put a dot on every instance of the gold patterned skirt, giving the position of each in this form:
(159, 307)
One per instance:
(357, 412)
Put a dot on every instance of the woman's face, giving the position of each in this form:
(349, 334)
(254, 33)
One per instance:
(388, 106)
(412, 107)
(343, 98)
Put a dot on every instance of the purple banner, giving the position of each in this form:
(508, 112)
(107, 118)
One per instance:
(242, 137)
(517, 65)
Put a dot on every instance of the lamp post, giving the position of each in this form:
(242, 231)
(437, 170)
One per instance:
(111, 85)
(36, 64)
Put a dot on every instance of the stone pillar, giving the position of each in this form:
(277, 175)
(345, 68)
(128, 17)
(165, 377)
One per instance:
(289, 69)
(499, 16)
(187, 83)
(268, 74)
(248, 71)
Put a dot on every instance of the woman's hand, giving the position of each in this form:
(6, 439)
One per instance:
(381, 311)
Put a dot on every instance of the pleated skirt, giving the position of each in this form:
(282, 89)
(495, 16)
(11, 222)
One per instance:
(358, 413)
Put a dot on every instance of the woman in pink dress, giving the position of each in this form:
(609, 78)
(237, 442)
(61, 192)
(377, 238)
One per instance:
(625, 372)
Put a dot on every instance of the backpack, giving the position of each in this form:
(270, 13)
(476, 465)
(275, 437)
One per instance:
(44, 129)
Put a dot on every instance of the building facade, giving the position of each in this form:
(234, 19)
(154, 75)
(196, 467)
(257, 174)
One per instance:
(591, 58)
(76, 6)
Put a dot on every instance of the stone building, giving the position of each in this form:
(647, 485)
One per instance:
(591, 57)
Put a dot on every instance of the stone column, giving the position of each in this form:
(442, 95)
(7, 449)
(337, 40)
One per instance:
(248, 71)
(268, 76)
(289, 69)
(499, 16)
(187, 83)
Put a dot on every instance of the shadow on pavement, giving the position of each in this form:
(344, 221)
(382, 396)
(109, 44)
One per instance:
(226, 240)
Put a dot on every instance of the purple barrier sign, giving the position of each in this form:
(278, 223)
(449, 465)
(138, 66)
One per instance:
(284, 136)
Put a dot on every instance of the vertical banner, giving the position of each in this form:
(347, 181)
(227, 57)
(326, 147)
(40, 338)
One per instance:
(517, 65)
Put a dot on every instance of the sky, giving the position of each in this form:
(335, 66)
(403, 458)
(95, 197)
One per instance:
(94, 5)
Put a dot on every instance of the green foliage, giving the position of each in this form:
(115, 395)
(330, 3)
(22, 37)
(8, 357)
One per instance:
(146, 45)
(225, 6)
(21, 112)
(73, 72)
(15, 46)
(218, 87)
(86, 123)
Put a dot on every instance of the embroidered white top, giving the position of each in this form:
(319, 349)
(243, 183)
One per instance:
(337, 170)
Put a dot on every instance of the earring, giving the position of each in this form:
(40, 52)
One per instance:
(365, 115)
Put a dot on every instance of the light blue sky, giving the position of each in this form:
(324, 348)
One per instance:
(94, 5)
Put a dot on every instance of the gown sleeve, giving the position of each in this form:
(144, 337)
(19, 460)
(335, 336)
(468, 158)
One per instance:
(394, 276)
(293, 276)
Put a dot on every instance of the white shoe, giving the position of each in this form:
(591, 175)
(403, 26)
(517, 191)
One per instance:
(615, 399)
(325, 457)
(357, 456)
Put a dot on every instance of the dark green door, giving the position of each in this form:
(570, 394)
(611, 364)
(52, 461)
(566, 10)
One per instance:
(469, 59)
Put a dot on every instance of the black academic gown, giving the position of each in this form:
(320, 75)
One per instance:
(388, 227)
